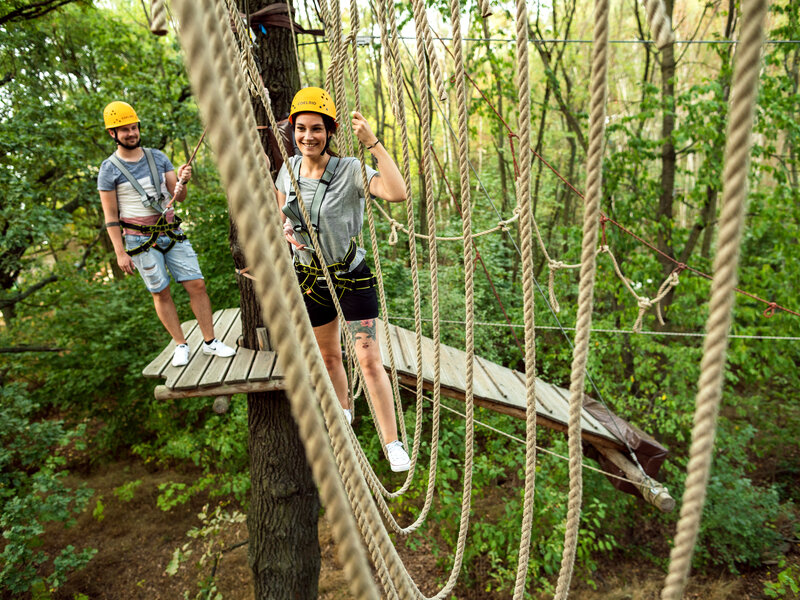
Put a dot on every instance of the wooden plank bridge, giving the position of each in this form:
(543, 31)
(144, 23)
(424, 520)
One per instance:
(495, 387)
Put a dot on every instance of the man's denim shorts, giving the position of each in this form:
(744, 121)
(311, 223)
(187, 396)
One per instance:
(152, 265)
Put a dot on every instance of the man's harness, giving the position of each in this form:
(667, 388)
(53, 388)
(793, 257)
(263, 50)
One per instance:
(150, 201)
(311, 276)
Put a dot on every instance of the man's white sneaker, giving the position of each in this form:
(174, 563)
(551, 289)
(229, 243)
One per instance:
(348, 414)
(398, 457)
(217, 348)
(181, 355)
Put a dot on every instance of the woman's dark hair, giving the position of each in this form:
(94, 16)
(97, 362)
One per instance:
(330, 127)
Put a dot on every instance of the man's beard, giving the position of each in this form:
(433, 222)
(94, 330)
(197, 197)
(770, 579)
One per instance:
(129, 146)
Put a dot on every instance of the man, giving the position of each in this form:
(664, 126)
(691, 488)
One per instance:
(136, 185)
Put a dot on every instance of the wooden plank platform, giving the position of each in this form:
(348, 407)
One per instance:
(494, 386)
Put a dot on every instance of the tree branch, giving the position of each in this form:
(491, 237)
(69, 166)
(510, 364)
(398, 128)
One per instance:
(33, 10)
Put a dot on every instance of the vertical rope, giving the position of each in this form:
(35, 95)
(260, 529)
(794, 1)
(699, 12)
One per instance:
(158, 17)
(384, 311)
(591, 222)
(290, 8)
(386, 14)
(523, 190)
(469, 284)
(338, 58)
(737, 153)
(421, 25)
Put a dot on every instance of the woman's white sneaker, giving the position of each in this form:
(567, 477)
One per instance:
(398, 457)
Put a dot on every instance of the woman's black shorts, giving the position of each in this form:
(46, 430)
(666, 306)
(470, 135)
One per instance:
(356, 304)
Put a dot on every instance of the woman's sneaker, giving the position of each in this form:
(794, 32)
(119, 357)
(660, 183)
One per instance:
(398, 457)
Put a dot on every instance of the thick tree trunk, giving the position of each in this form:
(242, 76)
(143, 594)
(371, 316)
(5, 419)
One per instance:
(284, 506)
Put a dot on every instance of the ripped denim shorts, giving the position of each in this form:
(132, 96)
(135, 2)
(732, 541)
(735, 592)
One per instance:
(155, 266)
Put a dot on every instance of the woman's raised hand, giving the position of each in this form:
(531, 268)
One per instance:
(362, 130)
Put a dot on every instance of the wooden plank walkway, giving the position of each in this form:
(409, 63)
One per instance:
(495, 387)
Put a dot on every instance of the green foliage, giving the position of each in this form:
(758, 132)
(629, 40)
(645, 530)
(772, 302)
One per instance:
(787, 584)
(209, 536)
(126, 491)
(34, 493)
(738, 525)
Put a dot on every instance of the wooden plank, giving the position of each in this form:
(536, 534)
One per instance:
(263, 338)
(495, 373)
(162, 392)
(587, 420)
(409, 341)
(199, 362)
(262, 368)
(163, 360)
(194, 339)
(548, 396)
(453, 367)
(404, 356)
(483, 385)
(240, 366)
(215, 373)
(542, 407)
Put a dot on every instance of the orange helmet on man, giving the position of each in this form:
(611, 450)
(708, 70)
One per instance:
(118, 113)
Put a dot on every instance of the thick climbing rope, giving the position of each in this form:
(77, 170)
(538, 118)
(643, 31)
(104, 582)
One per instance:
(659, 23)
(591, 225)
(158, 17)
(712, 367)
(369, 522)
(256, 247)
(366, 531)
(523, 190)
(243, 173)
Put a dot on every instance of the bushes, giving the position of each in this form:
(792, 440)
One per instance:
(33, 493)
(738, 526)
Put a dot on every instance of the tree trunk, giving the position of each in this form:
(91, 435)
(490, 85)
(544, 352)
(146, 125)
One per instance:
(282, 518)
(664, 216)
(284, 505)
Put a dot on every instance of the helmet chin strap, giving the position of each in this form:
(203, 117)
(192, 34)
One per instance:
(127, 146)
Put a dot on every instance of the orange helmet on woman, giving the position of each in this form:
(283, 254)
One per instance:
(313, 99)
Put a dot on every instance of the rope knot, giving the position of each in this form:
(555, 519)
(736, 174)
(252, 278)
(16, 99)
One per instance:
(674, 278)
(770, 310)
(393, 233)
(557, 264)
(645, 303)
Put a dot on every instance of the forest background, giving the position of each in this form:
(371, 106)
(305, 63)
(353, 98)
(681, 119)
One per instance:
(75, 333)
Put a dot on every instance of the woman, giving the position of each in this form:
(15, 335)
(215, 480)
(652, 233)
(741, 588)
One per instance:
(332, 190)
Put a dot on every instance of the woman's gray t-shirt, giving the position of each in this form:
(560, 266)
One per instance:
(342, 213)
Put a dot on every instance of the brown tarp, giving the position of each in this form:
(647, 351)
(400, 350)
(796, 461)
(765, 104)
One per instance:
(277, 15)
(647, 450)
